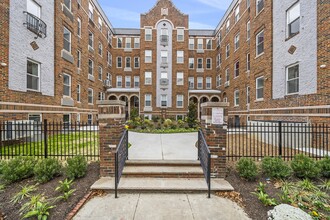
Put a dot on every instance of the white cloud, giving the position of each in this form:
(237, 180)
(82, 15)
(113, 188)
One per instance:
(219, 4)
(198, 25)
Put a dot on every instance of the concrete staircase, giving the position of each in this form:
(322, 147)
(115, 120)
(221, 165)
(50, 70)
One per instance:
(162, 176)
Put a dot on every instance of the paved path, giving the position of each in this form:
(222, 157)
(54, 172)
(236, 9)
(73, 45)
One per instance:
(162, 146)
(160, 206)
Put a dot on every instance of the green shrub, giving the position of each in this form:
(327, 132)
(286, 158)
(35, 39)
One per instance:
(18, 169)
(305, 167)
(324, 165)
(275, 167)
(247, 168)
(148, 123)
(168, 123)
(2, 164)
(76, 167)
(46, 169)
(181, 124)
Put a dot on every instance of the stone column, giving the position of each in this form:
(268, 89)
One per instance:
(214, 126)
(111, 115)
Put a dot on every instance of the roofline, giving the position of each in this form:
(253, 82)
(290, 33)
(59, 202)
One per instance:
(224, 17)
(99, 8)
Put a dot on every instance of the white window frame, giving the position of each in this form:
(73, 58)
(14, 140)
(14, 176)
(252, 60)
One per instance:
(228, 25)
(236, 69)
(258, 87)
(209, 63)
(136, 81)
(248, 62)
(148, 34)
(100, 49)
(248, 95)
(191, 81)
(91, 11)
(227, 75)
(119, 82)
(191, 64)
(119, 60)
(67, 40)
(109, 58)
(236, 41)
(208, 44)
(164, 56)
(227, 51)
(148, 56)
(248, 30)
(136, 62)
(147, 100)
(90, 119)
(67, 85)
(91, 39)
(100, 72)
(147, 78)
(257, 8)
(90, 99)
(294, 9)
(287, 78)
(180, 56)
(200, 44)
(237, 15)
(90, 67)
(79, 27)
(100, 23)
(128, 81)
(179, 79)
(236, 98)
(179, 101)
(33, 8)
(208, 83)
(136, 42)
(128, 42)
(128, 61)
(33, 76)
(79, 93)
(119, 42)
(199, 64)
(260, 43)
(191, 43)
(79, 59)
(200, 82)
(180, 34)
(163, 100)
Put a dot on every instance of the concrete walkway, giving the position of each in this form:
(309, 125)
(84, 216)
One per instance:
(162, 146)
(162, 207)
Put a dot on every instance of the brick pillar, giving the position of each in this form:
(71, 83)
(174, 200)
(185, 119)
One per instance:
(111, 115)
(214, 126)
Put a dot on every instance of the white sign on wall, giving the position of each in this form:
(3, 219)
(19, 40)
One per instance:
(217, 116)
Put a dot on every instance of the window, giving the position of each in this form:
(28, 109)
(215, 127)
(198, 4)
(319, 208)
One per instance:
(148, 56)
(236, 69)
(100, 49)
(248, 30)
(136, 62)
(147, 78)
(78, 93)
(191, 81)
(101, 96)
(91, 11)
(180, 36)
(67, 4)
(191, 63)
(209, 44)
(199, 82)
(128, 42)
(78, 117)
(191, 43)
(236, 98)
(100, 24)
(33, 8)
(127, 81)
(248, 62)
(148, 100)
(219, 59)
(35, 117)
(163, 75)
(227, 51)
(100, 72)
(236, 40)
(109, 77)
(208, 82)
(227, 75)
(90, 119)
(137, 42)
(179, 101)
(237, 14)
(209, 63)
(293, 20)
(199, 63)
(219, 38)
(67, 39)
(119, 62)
(259, 5)
(292, 79)
(119, 81)
(248, 3)
(179, 55)
(79, 59)
(164, 36)
(66, 120)
(248, 98)
(218, 80)
(260, 43)
(33, 75)
(109, 58)
(179, 78)
(128, 62)
(109, 37)
(200, 44)
(66, 85)
(90, 96)
(260, 88)
(148, 34)
(119, 42)
(136, 81)
(163, 100)
(79, 27)
(227, 26)
(91, 40)
(164, 55)
(90, 67)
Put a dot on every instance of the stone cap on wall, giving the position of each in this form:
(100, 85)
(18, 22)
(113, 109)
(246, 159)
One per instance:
(110, 102)
(214, 104)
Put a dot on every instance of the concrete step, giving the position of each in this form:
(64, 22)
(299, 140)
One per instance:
(193, 185)
(164, 171)
(195, 163)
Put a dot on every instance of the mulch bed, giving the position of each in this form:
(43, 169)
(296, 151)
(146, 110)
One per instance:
(242, 195)
(62, 209)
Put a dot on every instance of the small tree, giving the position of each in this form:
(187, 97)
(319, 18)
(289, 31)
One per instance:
(134, 113)
(192, 114)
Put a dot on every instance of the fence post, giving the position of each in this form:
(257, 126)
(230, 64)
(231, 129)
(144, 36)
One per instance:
(45, 138)
(280, 138)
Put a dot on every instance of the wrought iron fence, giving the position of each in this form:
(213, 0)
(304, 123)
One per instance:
(48, 139)
(204, 155)
(121, 156)
(258, 139)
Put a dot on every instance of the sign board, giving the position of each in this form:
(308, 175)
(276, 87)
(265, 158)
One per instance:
(217, 116)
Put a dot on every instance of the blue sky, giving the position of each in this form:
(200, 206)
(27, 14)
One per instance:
(203, 14)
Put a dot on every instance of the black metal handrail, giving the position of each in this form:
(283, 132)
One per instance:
(204, 155)
(121, 156)
(36, 25)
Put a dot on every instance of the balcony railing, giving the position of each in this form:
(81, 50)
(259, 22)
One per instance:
(36, 25)
(164, 40)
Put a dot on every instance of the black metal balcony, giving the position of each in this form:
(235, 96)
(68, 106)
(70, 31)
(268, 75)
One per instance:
(164, 39)
(36, 25)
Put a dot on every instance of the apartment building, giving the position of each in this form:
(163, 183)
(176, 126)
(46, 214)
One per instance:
(268, 59)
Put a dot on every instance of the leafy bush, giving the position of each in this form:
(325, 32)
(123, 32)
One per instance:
(76, 167)
(305, 167)
(275, 167)
(18, 169)
(192, 115)
(2, 164)
(46, 169)
(134, 112)
(247, 168)
(324, 165)
(168, 123)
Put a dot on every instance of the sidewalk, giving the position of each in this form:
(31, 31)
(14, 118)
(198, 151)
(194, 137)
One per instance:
(160, 206)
